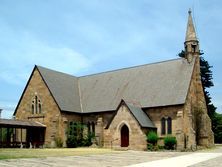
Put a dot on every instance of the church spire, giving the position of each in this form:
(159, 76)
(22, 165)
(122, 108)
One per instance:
(191, 43)
(190, 34)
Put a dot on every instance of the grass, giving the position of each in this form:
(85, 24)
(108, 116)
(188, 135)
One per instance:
(42, 153)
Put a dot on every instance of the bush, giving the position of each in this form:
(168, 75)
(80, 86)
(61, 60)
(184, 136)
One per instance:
(87, 140)
(76, 137)
(71, 142)
(150, 147)
(59, 142)
(170, 142)
(160, 147)
(152, 138)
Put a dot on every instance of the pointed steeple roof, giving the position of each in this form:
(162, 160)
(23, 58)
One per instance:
(190, 34)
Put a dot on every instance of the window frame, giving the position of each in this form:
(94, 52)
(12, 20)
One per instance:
(169, 125)
(163, 126)
(36, 105)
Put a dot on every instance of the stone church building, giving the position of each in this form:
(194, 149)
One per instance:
(121, 106)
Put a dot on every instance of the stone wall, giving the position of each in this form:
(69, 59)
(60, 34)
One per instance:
(198, 124)
(190, 122)
(112, 136)
(101, 120)
(156, 114)
(65, 118)
(50, 115)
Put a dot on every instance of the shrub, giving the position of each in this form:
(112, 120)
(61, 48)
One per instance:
(88, 139)
(170, 142)
(150, 147)
(59, 142)
(160, 147)
(76, 137)
(152, 137)
(71, 141)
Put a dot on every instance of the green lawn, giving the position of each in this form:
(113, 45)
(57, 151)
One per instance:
(41, 153)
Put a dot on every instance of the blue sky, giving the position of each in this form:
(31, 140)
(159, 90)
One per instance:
(82, 37)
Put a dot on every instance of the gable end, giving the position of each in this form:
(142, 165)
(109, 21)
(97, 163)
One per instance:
(27, 84)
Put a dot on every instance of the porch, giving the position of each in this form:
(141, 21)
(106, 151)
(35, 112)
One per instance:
(23, 134)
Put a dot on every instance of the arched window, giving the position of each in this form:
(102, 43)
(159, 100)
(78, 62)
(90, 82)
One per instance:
(36, 106)
(169, 125)
(163, 126)
(33, 107)
(75, 129)
(88, 128)
(193, 48)
(93, 127)
(71, 128)
(40, 106)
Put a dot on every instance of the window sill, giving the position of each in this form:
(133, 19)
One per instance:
(36, 116)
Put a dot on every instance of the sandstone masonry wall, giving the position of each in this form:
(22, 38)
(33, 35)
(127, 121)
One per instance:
(50, 115)
(112, 136)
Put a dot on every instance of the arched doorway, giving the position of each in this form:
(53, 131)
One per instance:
(124, 136)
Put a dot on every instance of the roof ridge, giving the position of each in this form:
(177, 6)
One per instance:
(80, 96)
(133, 104)
(109, 71)
(52, 70)
(126, 68)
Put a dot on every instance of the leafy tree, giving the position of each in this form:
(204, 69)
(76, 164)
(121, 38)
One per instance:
(207, 81)
(217, 127)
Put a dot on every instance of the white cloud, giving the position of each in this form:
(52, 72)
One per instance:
(62, 59)
(24, 51)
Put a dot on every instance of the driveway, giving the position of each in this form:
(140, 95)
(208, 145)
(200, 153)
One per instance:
(126, 158)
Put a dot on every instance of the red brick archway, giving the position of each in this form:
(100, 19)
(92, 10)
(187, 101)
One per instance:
(124, 136)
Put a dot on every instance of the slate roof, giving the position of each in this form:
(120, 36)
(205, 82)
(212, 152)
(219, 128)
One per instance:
(151, 85)
(158, 84)
(64, 88)
(20, 123)
(140, 116)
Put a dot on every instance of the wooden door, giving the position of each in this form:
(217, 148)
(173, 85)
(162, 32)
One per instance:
(124, 136)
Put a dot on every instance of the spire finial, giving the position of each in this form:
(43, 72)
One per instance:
(190, 34)
(189, 11)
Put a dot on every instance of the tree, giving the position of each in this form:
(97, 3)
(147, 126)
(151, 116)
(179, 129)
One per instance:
(217, 127)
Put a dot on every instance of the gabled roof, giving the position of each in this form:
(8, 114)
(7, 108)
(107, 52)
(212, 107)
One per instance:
(63, 87)
(140, 116)
(158, 84)
(151, 85)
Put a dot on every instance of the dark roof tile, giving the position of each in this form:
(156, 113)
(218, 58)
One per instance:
(152, 85)
(140, 116)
